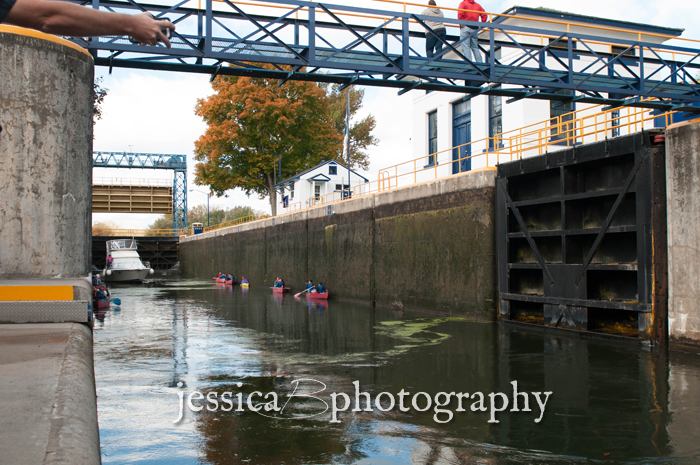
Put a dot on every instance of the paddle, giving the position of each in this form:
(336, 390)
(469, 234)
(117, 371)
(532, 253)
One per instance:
(115, 301)
(305, 290)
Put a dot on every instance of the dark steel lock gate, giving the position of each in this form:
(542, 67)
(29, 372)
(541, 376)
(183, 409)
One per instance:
(581, 238)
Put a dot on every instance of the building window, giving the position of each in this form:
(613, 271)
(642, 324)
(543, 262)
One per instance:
(461, 136)
(561, 44)
(615, 122)
(432, 137)
(460, 108)
(291, 191)
(495, 121)
(562, 119)
(338, 187)
(317, 190)
(617, 50)
(332, 170)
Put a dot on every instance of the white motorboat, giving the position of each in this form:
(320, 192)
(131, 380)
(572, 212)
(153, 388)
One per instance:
(126, 264)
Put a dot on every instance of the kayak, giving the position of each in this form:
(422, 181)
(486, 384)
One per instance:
(222, 280)
(245, 285)
(317, 295)
(280, 290)
(230, 282)
(100, 303)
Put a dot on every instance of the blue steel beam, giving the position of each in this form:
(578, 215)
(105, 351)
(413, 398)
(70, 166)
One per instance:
(157, 161)
(234, 39)
(180, 200)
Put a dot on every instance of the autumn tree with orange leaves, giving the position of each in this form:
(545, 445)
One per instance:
(250, 121)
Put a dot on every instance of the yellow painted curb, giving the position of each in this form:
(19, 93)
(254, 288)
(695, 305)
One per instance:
(35, 293)
(41, 35)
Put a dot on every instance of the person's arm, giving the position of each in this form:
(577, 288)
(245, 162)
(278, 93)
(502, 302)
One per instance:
(484, 16)
(62, 18)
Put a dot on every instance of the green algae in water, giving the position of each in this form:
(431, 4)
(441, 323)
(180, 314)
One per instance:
(409, 334)
(417, 333)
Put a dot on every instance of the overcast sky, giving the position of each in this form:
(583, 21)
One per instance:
(153, 112)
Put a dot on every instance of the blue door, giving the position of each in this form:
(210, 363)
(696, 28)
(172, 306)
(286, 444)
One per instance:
(461, 134)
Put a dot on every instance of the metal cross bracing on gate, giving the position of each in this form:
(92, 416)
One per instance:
(316, 41)
(177, 163)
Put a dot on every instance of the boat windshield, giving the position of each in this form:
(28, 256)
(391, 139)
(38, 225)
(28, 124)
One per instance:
(121, 244)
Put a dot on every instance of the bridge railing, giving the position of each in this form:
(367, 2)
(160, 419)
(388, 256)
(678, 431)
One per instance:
(602, 64)
(236, 222)
(132, 182)
(579, 127)
(226, 224)
(416, 7)
(137, 232)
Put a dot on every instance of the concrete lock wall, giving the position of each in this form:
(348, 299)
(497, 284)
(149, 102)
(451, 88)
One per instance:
(683, 211)
(46, 88)
(429, 246)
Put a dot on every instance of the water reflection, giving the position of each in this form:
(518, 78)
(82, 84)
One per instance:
(612, 402)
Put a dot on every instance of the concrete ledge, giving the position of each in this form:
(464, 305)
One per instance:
(45, 300)
(82, 287)
(75, 311)
(48, 411)
(458, 183)
(684, 344)
(74, 436)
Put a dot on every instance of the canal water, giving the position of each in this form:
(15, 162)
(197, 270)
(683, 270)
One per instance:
(610, 401)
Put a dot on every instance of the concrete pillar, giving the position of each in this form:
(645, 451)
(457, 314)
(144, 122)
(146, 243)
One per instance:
(683, 203)
(46, 88)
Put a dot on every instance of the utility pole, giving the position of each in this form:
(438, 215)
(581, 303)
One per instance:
(208, 196)
(347, 132)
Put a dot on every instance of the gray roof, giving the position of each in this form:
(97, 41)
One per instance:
(564, 15)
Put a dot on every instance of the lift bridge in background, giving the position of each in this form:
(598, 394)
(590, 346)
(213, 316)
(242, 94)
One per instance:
(134, 197)
(348, 45)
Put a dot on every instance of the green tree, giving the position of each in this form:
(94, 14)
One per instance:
(98, 96)
(164, 222)
(252, 121)
(105, 227)
(361, 137)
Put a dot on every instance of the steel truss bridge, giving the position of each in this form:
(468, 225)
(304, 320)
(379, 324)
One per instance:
(347, 45)
(177, 163)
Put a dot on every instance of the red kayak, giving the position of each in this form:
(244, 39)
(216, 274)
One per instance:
(317, 295)
(222, 280)
(100, 303)
(280, 290)
(230, 282)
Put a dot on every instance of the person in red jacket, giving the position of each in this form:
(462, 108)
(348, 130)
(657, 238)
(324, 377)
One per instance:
(469, 34)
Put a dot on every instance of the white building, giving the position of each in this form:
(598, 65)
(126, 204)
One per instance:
(443, 120)
(321, 184)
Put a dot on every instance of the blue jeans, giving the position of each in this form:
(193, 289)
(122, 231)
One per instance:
(433, 43)
(470, 44)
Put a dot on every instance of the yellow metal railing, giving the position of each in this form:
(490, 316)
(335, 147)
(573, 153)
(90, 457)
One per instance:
(581, 126)
(491, 18)
(236, 222)
(137, 232)
(132, 182)
(226, 224)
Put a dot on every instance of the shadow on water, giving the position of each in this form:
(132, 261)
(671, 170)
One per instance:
(612, 402)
